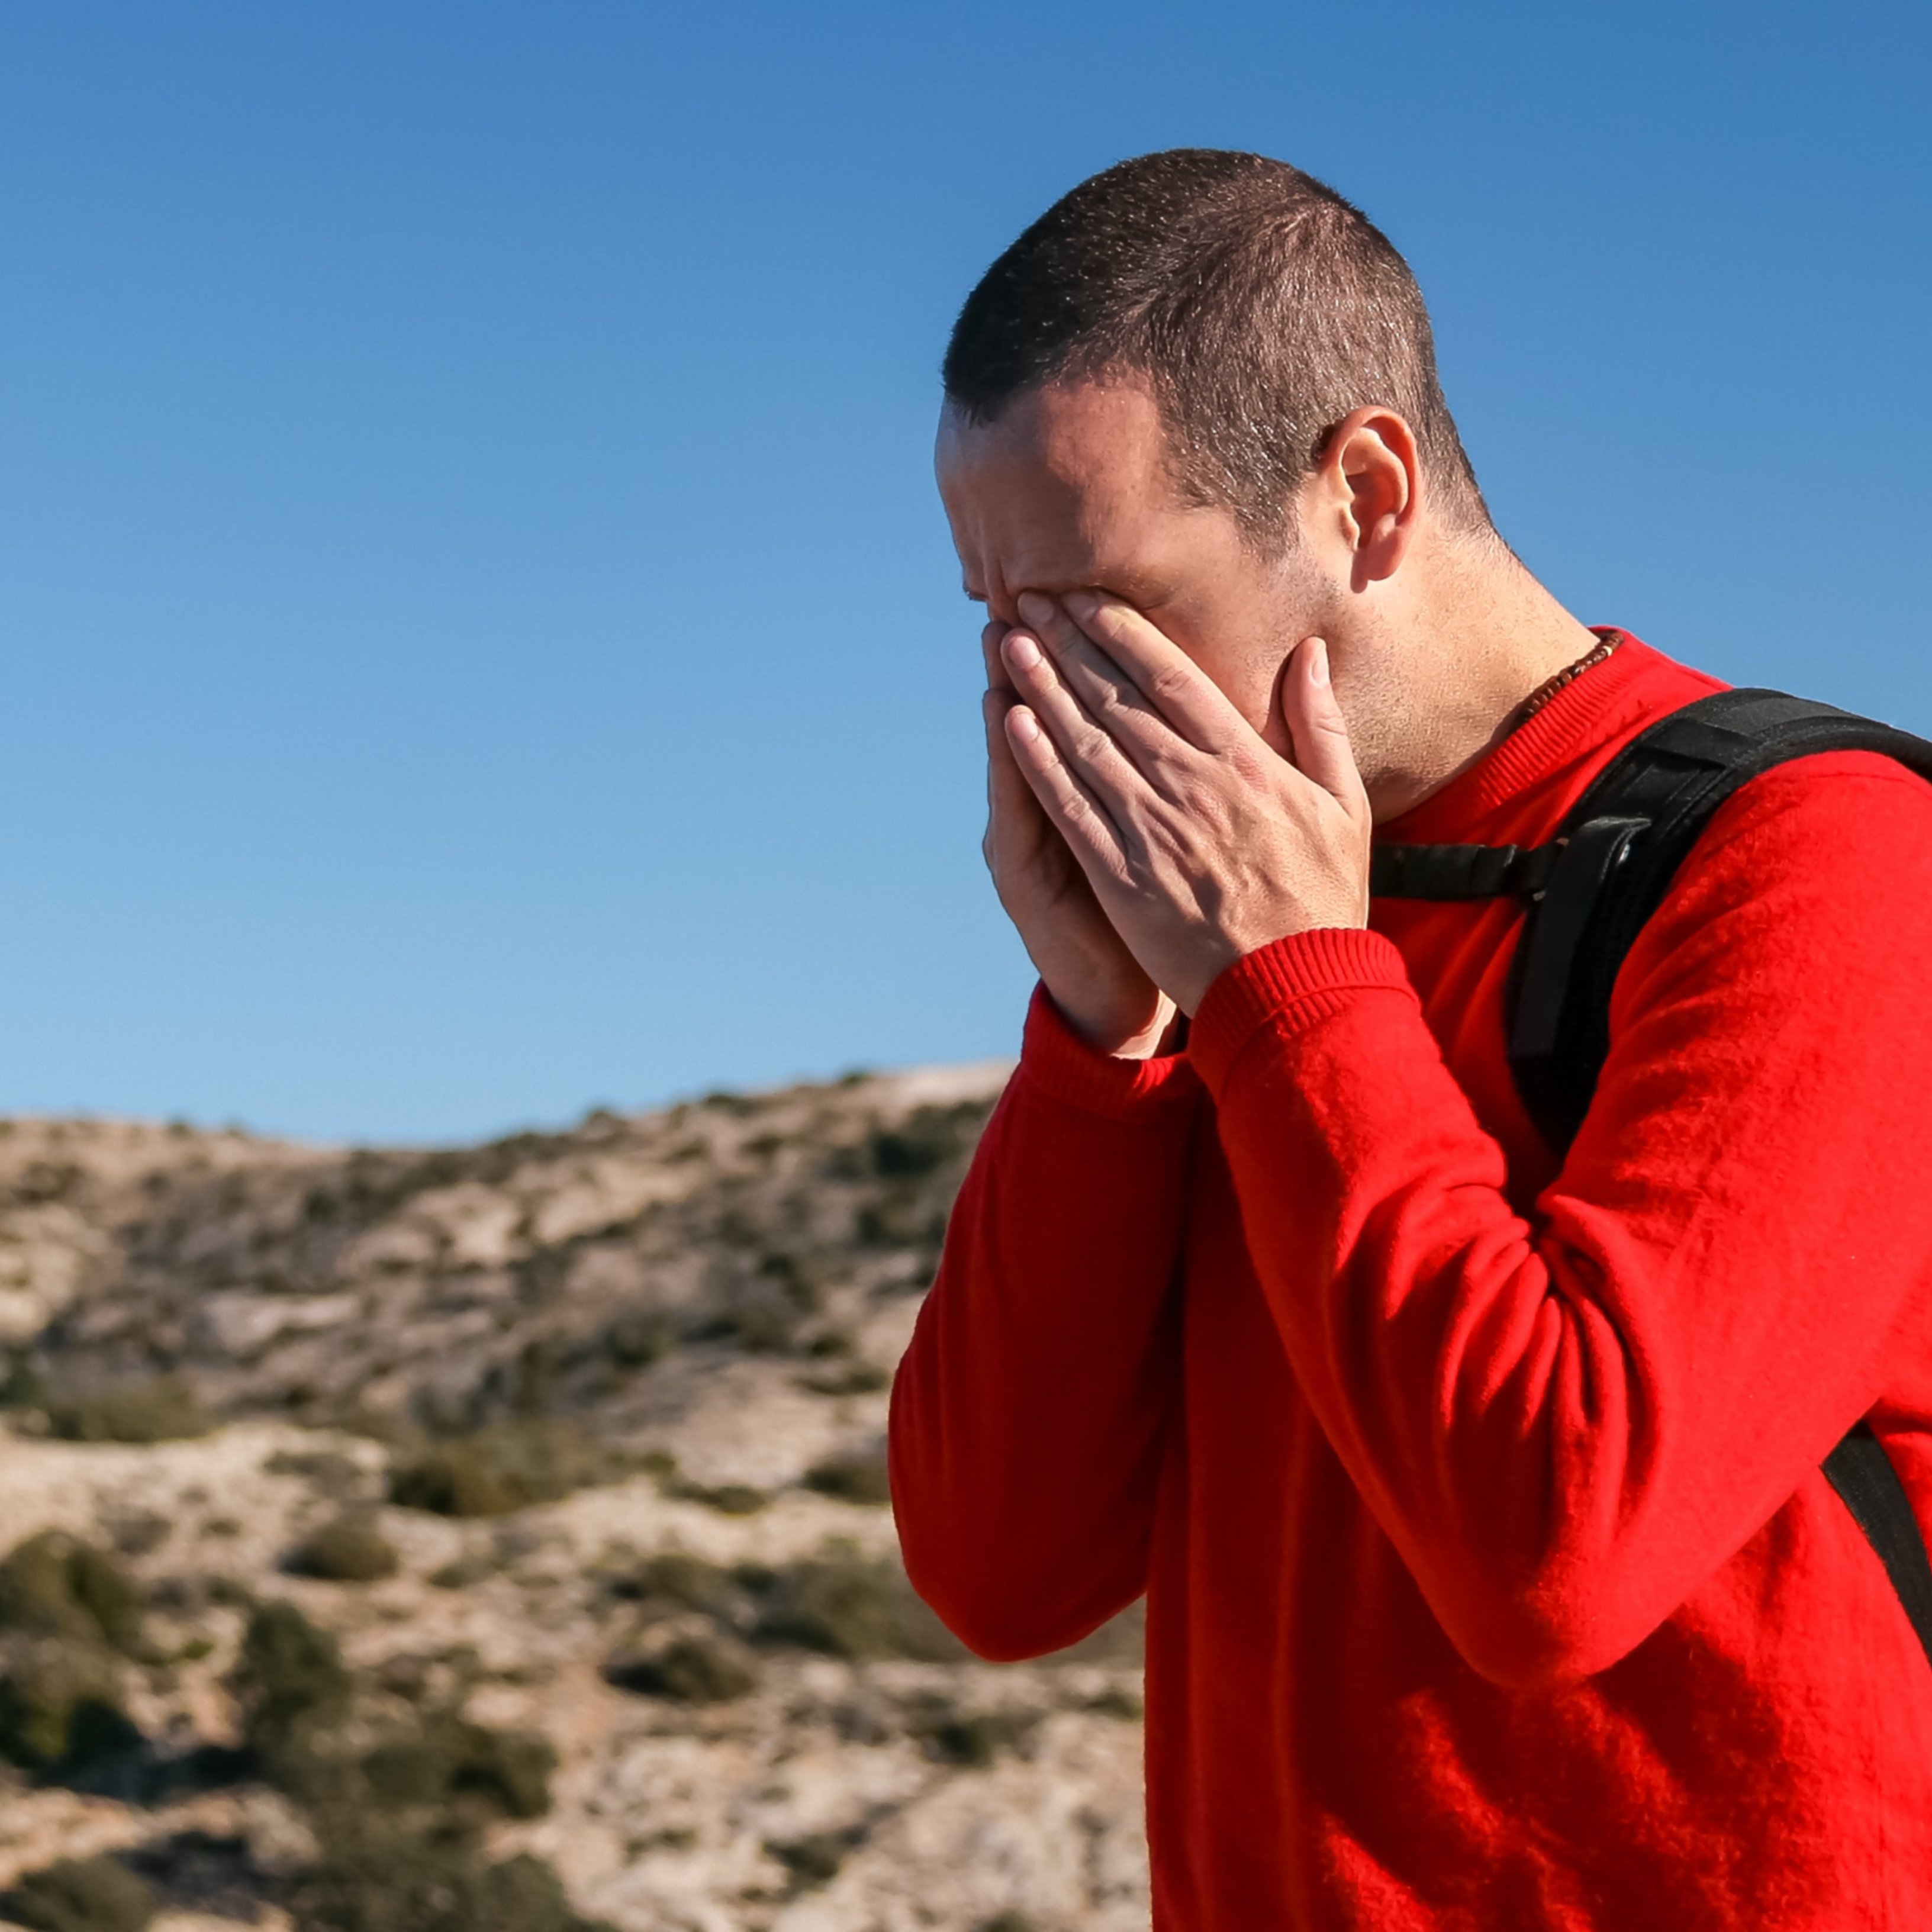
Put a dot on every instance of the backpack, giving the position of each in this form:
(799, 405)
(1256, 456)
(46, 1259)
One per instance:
(1587, 894)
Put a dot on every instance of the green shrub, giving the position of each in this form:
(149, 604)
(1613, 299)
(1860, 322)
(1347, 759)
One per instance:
(22, 1386)
(900, 1217)
(970, 1739)
(692, 1670)
(762, 1326)
(853, 1606)
(636, 1340)
(160, 1409)
(524, 1894)
(852, 1479)
(289, 1671)
(54, 1585)
(813, 1861)
(511, 1466)
(727, 1498)
(106, 1592)
(451, 1760)
(898, 1156)
(139, 1535)
(674, 1576)
(60, 1705)
(798, 1280)
(511, 1771)
(351, 1549)
(45, 1181)
(327, 1470)
(396, 1884)
(841, 1603)
(925, 1141)
(461, 1572)
(407, 1771)
(81, 1895)
(850, 1378)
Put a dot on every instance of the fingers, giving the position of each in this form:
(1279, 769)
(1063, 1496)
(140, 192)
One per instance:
(1078, 816)
(1001, 775)
(1007, 793)
(1098, 685)
(990, 640)
(1014, 819)
(1090, 746)
(1164, 675)
(1317, 729)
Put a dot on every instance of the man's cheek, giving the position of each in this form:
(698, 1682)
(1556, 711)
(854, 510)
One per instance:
(1244, 674)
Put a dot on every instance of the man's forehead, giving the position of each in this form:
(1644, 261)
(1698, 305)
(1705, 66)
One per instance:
(1068, 488)
(1015, 550)
(1076, 437)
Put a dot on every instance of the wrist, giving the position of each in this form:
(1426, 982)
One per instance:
(1120, 1031)
(1211, 961)
(1151, 1041)
(1057, 1062)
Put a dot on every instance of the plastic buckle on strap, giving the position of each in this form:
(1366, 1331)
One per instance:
(1594, 851)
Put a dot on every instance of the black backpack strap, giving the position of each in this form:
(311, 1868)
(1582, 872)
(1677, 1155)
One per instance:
(1588, 893)
(1623, 843)
(1862, 1474)
(1460, 872)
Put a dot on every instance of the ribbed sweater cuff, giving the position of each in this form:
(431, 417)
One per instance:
(1285, 987)
(1056, 1061)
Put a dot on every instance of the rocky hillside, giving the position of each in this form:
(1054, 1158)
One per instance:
(494, 1540)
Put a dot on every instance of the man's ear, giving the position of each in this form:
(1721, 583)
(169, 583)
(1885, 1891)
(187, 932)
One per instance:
(1368, 491)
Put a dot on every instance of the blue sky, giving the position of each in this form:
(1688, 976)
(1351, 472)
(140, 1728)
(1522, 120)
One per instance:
(478, 638)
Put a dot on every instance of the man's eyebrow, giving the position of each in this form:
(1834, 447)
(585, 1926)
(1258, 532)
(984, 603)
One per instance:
(971, 595)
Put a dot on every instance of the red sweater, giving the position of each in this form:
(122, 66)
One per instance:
(1491, 1579)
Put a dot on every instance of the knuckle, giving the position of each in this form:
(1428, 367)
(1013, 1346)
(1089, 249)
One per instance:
(1167, 681)
(1092, 746)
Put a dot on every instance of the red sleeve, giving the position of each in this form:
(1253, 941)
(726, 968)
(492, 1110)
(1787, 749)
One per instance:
(1566, 1424)
(1028, 1413)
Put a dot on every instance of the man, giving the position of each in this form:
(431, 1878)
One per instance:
(1491, 1580)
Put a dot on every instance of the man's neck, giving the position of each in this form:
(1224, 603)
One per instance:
(1445, 683)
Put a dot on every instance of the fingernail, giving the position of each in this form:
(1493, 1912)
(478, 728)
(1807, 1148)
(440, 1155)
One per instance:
(1025, 724)
(1035, 608)
(1317, 662)
(1080, 605)
(1022, 653)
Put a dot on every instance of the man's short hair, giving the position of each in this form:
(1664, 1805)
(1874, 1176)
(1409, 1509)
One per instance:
(1260, 306)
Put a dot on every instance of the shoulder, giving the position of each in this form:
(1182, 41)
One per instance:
(1856, 812)
(1822, 867)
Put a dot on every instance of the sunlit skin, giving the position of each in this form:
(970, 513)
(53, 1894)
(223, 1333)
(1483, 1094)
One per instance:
(1191, 731)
